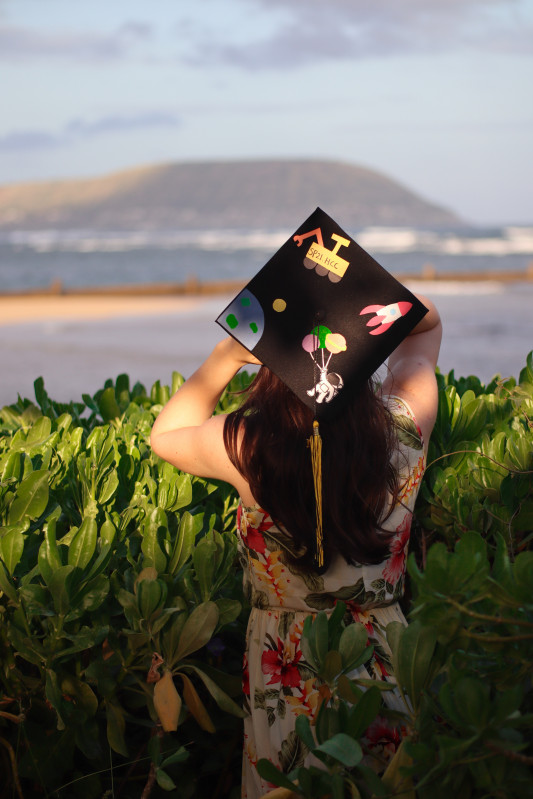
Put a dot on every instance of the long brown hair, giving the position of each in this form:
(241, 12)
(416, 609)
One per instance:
(266, 440)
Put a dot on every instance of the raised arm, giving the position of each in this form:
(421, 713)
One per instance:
(186, 434)
(412, 369)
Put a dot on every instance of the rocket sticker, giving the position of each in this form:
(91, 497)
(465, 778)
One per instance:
(385, 315)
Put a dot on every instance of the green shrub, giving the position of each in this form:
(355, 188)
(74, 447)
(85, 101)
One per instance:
(115, 569)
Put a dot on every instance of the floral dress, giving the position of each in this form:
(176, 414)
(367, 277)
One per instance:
(278, 684)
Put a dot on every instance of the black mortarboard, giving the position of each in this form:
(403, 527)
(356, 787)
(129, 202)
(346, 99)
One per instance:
(322, 314)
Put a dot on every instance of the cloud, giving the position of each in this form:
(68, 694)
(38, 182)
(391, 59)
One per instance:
(80, 129)
(29, 140)
(313, 31)
(21, 43)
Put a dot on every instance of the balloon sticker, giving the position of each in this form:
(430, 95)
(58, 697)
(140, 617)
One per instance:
(319, 341)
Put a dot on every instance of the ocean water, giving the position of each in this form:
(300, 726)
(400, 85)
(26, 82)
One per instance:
(75, 259)
(488, 324)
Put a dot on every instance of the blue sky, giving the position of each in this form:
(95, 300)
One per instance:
(434, 93)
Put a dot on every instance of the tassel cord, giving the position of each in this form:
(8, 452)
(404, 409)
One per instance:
(315, 444)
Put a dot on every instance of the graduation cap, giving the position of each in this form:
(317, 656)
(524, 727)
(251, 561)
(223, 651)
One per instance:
(322, 314)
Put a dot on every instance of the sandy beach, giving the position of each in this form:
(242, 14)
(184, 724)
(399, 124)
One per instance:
(20, 309)
(76, 342)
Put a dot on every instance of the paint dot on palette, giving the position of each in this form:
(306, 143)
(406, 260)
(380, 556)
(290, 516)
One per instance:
(245, 301)
(253, 327)
(279, 305)
(232, 321)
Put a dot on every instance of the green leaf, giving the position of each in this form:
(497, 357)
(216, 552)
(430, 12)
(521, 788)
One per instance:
(222, 699)
(92, 593)
(157, 521)
(151, 595)
(108, 406)
(81, 692)
(228, 611)
(12, 466)
(83, 544)
(170, 639)
(372, 780)
(108, 533)
(6, 584)
(205, 564)
(189, 528)
(184, 484)
(352, 645)
(364, 712)
(164, 781)
(177, 381)
(198, 629)
(31, 498)
(303, 728)
(315, 633)
(12, 544)
(341, 748)
(412, 652)
(108, 487)
(49, 558)
(116, 726)
(332, 667)
(53, 695)
(178, 756)
(472, 700)
(59, 585)
(270, 773)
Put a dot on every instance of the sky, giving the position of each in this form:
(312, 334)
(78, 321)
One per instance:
(436, 94)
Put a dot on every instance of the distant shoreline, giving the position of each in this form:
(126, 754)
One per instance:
(193, 287)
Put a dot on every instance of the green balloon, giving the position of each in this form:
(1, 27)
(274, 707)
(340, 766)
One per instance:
(321, 331)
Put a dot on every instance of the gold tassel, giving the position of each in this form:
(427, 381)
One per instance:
(315, 443)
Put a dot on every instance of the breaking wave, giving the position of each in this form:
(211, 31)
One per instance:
(496, 242)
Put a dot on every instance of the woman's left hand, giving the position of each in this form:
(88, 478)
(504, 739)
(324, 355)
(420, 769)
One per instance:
(233, 349)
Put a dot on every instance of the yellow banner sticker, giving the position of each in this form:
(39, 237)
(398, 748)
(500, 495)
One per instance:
(328, 258)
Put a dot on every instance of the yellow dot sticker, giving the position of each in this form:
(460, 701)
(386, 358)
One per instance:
(279, 305)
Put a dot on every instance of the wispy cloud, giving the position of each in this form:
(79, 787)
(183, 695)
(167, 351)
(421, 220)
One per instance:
(313, 31)
(22, 43)
(80, 129)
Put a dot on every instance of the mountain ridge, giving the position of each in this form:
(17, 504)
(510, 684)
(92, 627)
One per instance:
(243, 194)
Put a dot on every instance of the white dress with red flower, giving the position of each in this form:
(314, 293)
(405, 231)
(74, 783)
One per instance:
(278, 684)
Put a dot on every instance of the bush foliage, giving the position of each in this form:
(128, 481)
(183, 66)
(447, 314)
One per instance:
(122, 623)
